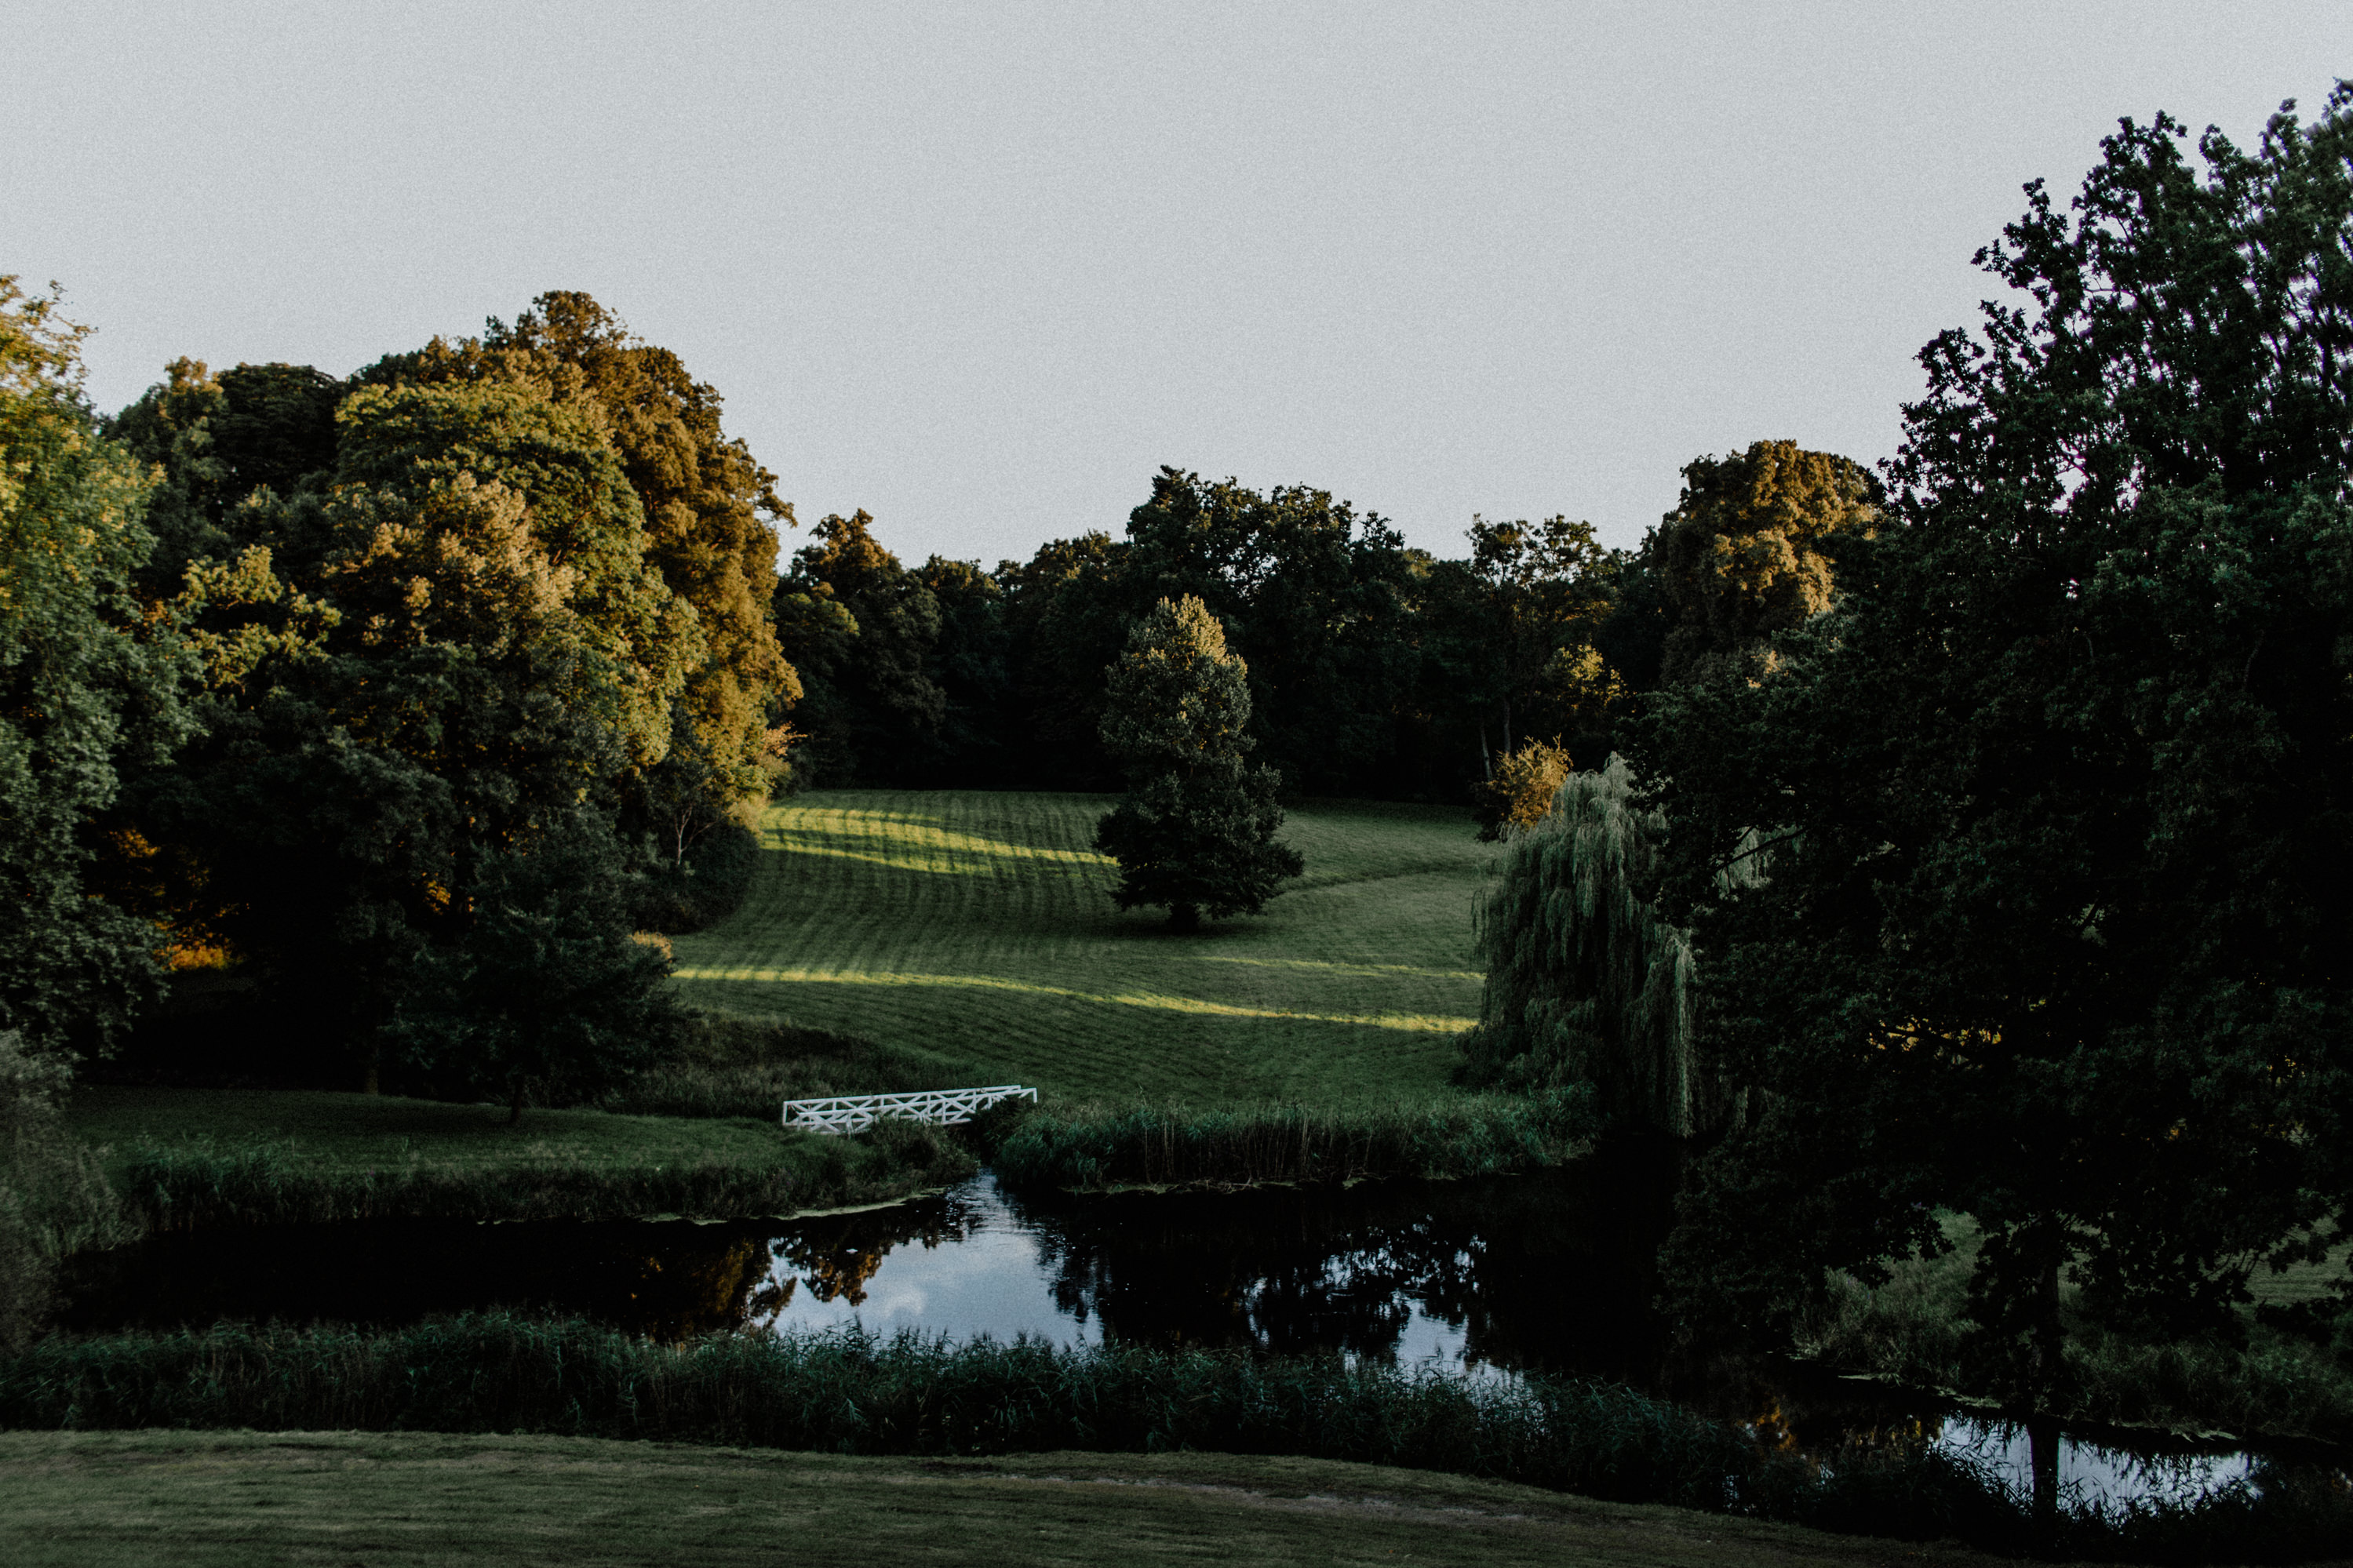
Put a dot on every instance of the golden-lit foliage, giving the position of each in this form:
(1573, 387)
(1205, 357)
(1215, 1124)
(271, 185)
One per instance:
(1741, 556)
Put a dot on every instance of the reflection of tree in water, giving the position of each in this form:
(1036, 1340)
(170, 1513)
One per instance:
(670, 1282)
(684, 1291)
(836, 1256)
(1550, 1272)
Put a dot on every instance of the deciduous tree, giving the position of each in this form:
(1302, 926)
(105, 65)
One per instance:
(1745, 554)
(2047, 819)
(91, 683)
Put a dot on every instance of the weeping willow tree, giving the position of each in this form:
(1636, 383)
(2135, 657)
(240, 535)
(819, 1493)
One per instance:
(1585, 983)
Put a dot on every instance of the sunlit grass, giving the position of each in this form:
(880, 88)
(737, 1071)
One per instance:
(980, 927)
(1132, 999)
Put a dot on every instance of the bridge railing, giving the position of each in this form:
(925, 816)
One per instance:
(843, 1113)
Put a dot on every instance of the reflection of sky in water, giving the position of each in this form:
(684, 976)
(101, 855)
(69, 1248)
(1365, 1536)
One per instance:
(999, 1280)
(991, 1283)
(2089, 1473)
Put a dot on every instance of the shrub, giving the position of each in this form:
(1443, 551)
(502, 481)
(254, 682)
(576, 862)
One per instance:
(701, 887)
(1521, 791)
(54, 1198)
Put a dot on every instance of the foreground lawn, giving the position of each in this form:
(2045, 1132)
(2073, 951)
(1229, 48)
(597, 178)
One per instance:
(979, 926)
(90, 1499)
(339, 1133)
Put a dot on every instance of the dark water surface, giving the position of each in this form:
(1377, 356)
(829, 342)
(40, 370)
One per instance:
(1546, 1273)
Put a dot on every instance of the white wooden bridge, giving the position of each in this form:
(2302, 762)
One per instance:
(857, 1112)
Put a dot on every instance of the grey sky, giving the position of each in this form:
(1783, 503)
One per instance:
(980, 269)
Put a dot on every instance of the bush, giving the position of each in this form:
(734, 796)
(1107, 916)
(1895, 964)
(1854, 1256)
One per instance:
(54, 1198)
(704, 886)
(1521, 791)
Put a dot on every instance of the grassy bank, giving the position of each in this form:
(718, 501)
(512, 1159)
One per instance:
(185, 1158)
(129, 1500)
(978, 927)
(2272, 1379)
(852, 1394)
(1095, 1148)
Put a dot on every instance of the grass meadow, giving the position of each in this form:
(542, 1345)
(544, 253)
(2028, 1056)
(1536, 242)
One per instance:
(192, 1157)
(96, 1499)
(978, 927)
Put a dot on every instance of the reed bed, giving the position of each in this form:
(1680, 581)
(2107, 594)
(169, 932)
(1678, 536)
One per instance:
(198, 1183)
(853, 1392)
(1098, 1148)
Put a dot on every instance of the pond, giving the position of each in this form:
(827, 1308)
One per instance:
(1546, 1273)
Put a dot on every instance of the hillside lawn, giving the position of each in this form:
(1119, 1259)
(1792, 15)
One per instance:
(196, 1157)
(979, 927)
(131, 1499)
(343, 1133)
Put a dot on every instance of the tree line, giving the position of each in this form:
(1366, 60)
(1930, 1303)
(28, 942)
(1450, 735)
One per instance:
(420, 693)
(1375, 669)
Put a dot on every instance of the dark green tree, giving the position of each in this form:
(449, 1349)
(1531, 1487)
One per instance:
(549, 997)
(219, 440)
(2018, 887)
(1065, 619)
(872, 706)
(971, 661)
(1195, 831)
(1314, 598)
(90, 686)
(417, 663)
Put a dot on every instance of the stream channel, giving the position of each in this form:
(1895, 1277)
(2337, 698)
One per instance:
(1546, 1273)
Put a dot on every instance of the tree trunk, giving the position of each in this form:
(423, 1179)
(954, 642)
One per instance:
(514, 1106)
(2050, 1333)
(1183, 918)
(2042, 1458)
(2047, 1374)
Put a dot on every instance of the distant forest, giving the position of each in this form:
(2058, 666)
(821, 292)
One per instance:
(1376, 669)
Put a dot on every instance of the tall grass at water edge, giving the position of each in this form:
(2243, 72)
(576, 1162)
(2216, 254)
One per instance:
(197, 1183)
(1093, 1147)
(852, 1393)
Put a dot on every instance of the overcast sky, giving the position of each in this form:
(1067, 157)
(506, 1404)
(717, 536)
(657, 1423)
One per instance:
(982, 269)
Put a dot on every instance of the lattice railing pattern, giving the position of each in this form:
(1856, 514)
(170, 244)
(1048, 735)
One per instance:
(857, 1112)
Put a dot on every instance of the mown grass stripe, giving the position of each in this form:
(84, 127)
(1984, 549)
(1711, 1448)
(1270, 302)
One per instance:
(980, 927)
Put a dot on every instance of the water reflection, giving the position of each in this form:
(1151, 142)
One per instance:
(668, 1281)
(1550, 1273)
